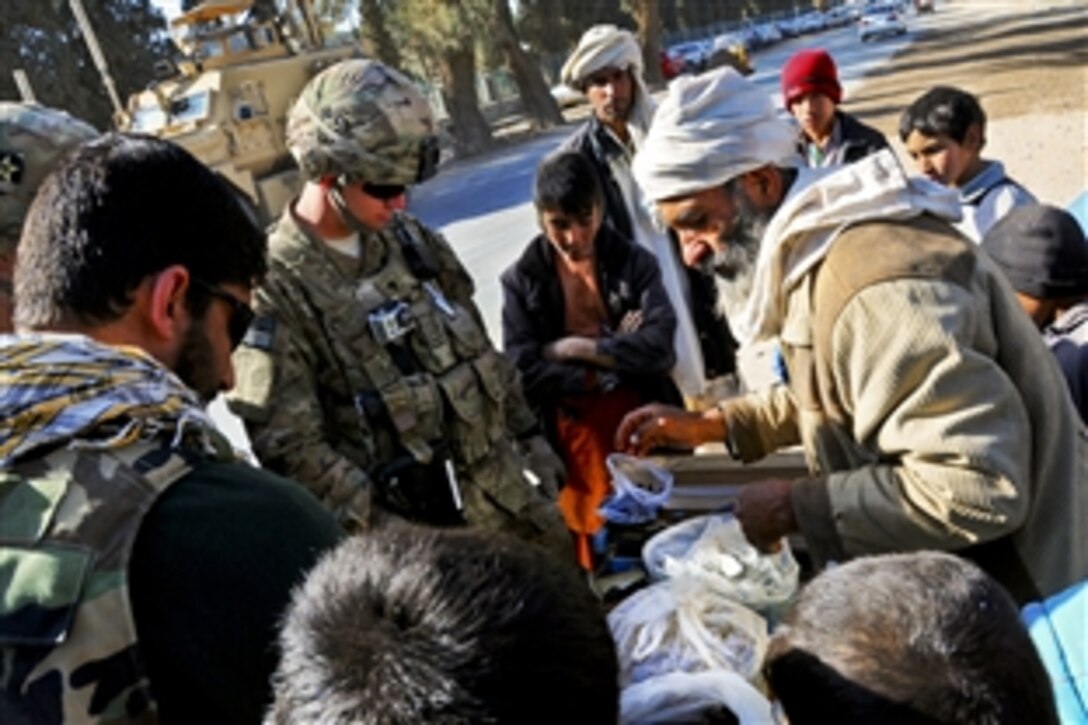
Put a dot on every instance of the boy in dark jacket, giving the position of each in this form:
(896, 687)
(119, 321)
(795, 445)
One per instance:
(588, 323)
(812, 93)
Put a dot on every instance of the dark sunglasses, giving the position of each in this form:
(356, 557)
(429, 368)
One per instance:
(241, 314)
(385, 192)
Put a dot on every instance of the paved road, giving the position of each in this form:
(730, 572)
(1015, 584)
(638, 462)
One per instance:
(483, 205)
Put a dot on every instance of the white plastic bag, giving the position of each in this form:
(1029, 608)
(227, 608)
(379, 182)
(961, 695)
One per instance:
(682, 625)
(714, 550)
(639, 489)
(684, 697)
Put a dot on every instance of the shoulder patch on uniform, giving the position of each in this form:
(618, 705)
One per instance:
(261, 333)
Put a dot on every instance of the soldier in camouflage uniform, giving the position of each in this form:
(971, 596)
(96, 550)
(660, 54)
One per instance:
(32, 140)
(368, 375)
(142, 570)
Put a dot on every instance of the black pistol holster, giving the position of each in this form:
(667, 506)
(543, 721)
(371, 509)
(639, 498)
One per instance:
(425, 493)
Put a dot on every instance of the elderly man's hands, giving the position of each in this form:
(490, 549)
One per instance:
(765, 512)
(663, 426)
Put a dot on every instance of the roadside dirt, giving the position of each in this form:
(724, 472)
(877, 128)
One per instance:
(1028, 64)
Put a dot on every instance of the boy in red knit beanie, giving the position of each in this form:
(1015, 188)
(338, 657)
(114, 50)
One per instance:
(812, 93)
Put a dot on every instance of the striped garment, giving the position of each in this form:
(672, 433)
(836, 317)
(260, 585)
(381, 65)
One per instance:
(60, 389)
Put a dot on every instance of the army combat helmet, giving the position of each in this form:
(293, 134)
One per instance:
(33, 139)
(362, 121)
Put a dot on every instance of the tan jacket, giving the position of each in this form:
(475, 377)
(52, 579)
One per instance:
(931, 413)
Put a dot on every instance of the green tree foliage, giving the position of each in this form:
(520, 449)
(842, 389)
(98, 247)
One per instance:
(536, 99)
(42, 38)
(554, 26)
(377, 39)
(440, 36)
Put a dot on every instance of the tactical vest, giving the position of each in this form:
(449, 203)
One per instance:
(68, 642)
(421, 370)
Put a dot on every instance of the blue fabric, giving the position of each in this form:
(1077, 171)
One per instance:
(1059, 628)
(1079, 210)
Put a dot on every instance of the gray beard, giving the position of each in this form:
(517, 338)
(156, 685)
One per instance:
(734, 266)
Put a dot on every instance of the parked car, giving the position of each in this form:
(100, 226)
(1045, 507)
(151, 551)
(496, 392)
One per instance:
(694, 53)
(839, 16)
(768, 33)
(813, 22)
(880, 20)
(670, 67)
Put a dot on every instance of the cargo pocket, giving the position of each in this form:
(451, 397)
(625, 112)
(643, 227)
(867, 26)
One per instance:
(468, 338)
(42, 590)
(490, 371)
(430, 342)
(469, 426)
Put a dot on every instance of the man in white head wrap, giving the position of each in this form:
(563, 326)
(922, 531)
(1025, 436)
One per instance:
(607, 67)
(929, 411)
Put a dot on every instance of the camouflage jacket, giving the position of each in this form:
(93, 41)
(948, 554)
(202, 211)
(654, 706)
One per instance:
(327, 404)
(67, 633)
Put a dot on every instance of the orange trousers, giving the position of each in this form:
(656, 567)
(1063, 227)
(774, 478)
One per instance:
(586, 425)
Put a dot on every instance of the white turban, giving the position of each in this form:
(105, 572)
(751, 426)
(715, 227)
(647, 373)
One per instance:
(709, 129)
(606, 46)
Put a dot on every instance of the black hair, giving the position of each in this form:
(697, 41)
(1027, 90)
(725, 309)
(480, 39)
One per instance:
(907, 638)
(567, 183)
(942, 111)
(120, 208)
(405, 624)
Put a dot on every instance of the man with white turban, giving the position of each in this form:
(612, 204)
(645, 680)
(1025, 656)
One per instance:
(607, 67)
(930, 412)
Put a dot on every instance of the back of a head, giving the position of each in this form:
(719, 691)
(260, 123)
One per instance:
(811, 70)
(405, 624)
(121, 208)
(1042, 250)
(33, 139)
(942, 111)
(567, 183)
(907, 638)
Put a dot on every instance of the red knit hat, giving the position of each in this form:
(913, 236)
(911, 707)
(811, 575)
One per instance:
(808, 71)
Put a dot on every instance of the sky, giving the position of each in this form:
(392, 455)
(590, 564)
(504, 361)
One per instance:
(169, 8)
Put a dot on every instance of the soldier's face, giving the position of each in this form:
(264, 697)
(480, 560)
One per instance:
(571, 235)
(610, 92)
(374, 211)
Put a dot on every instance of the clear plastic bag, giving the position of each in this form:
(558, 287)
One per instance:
(681, 625)
(684, 697)
(714, 550)
(639, 490)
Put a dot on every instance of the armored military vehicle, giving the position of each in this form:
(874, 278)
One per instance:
(225, 99)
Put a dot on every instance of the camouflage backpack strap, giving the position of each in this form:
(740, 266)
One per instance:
(68, 523)
(869, 253)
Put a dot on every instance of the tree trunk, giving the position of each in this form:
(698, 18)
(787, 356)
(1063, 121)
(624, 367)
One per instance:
(377, 43)
(536, 99)
(645, 13)
(470, 130)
